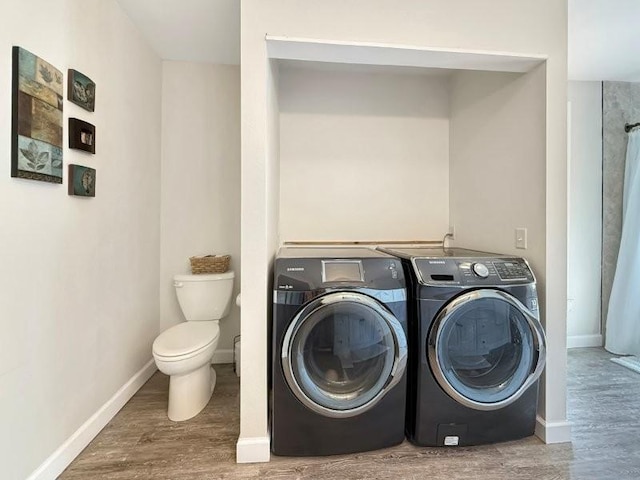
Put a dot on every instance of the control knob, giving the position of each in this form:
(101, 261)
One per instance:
(481, 270)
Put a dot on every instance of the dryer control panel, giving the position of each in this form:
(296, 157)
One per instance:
(473, 271)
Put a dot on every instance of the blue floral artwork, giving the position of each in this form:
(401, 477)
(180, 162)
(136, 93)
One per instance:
(37, 118)
(82, 181)
(81, 90)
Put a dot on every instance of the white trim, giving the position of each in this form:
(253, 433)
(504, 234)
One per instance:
(553, 432)
(253, 450)
(371, 53)
(53, 466)
(223, 356)
(582, 341)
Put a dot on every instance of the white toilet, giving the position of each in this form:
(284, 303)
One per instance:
(184, 352)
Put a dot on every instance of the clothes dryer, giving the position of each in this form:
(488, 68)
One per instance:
(477, 347)
(339, 351)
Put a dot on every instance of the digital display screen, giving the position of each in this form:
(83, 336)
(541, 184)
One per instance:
(342, 271)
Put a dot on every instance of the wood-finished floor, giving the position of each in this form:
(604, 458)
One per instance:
(142, 443)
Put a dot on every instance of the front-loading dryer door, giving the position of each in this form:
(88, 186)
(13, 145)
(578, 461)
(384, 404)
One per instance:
(342, 353)
(486, 349)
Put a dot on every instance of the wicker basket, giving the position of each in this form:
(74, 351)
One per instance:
(210, 264)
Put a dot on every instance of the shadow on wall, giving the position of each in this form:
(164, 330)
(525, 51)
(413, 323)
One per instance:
(364, 90)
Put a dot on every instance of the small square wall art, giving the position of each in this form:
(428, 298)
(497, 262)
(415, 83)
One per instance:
(36, 140)
(82, 135)
(81, 90)
(82, 181)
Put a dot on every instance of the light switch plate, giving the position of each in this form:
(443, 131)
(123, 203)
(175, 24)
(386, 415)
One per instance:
(521, 238)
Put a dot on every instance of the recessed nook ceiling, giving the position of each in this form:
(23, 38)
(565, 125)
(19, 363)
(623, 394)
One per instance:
(362, 53)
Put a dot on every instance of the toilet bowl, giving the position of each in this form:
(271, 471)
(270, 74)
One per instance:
(184, 351)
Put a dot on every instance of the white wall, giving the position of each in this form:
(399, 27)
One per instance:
(258, 236)
(79, 289)
(497, 162)
(200, 180)
(585, 215)
(364, 155)
(499, 25)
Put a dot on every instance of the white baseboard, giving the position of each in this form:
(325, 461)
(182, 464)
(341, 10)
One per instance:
(71, 448)
(553, 432)
(253, 450)
(223, 356)
(582, 341)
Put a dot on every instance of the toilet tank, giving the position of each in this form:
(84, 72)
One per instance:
(204, 297)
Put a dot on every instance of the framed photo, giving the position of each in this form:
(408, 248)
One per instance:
(36, 137)
(81, 90)
(82, 181)
(82, 135)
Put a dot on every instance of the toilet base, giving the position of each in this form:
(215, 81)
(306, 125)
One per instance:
(190, 393)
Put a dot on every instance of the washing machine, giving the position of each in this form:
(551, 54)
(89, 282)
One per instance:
(338, 352)
(476, 346)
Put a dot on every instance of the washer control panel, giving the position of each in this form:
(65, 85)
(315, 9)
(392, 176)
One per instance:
(296, 269)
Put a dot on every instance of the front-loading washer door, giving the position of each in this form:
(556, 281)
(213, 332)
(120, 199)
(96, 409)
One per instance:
(486, 349)
(342, 353)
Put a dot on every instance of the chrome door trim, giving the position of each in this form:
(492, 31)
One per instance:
(539, 341)
(400, 354)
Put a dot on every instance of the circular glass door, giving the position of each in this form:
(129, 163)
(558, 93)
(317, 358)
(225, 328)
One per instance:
(342, 353)
(486, 348)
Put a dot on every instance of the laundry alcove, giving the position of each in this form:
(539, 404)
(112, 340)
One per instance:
(351, 141)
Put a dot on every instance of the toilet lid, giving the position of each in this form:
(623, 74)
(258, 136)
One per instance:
(185, 338)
